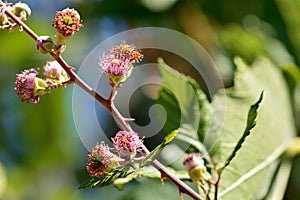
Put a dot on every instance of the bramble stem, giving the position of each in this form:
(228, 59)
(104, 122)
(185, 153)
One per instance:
(123, 122)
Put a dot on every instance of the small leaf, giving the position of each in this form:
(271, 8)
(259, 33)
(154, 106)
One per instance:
(151, 156)
(106, 180)
(121, 182)
(149, 172)
(251, 122)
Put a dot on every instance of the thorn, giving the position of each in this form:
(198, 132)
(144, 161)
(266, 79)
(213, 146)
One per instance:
(127, 120)
(162, 178)
(181, 195)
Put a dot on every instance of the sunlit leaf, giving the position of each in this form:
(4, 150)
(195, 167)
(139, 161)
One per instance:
(150, 157)
(252, 168)
(107, 179)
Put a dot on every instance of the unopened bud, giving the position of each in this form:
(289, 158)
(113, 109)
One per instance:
(21, 10)
(194, 164)
(45, 44)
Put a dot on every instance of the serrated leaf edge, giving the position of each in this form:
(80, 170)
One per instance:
(251, 122)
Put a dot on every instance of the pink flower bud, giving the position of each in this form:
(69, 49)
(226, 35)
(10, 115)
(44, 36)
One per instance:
(194, 164)
(25, 85)
(118, 63)
(53, 70)
(127, 144)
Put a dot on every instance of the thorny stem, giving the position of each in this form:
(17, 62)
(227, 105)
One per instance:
(123, 122)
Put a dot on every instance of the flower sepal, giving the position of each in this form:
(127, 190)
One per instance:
(116, 80)
(39, 87)
(61, 40)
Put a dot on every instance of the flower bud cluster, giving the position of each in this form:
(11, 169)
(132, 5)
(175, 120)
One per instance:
(102, 159)
(117, 64)
(20, 10)
(29, 86)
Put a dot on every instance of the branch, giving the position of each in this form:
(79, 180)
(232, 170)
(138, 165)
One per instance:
(123, 122)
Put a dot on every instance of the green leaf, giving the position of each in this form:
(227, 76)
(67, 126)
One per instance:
(149, 189)
(250, 172)
(251, 122)
(291, 20)
(279, 184)
(247, 44)
(177, 95)
(148, 172)
(107, 179)
(151, 172)
(121, 182)
(291, 73)
(151, 156)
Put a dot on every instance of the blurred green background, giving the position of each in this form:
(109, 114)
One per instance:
(41, 154)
